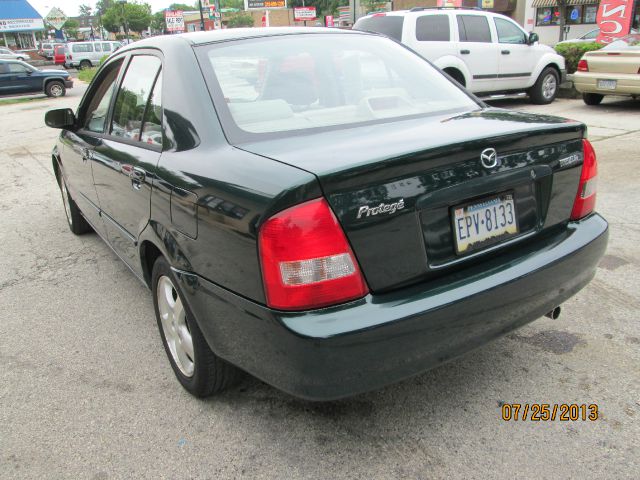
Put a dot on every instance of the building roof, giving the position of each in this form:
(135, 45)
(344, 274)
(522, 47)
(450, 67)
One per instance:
(17, 9)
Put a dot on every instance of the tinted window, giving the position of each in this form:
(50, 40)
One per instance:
(508, 32)
(152, 126)
(106, 47)
(473, 28)
(391, 26)
(17, 68)
(295, 82)
(133, 96)
(433, 28)
(82, 48)
(97, 110)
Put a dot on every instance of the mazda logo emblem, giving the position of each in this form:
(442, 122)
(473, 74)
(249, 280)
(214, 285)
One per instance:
(489, 157)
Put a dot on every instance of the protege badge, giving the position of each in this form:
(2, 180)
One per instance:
(382, 208)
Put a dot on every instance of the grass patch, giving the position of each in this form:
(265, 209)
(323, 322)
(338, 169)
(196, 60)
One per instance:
(87, 74)
(11, 101)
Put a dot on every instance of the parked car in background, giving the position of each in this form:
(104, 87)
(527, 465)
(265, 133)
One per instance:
(485, 52)
(88, 54)
(323, 209)
(46, 48)
(8, 54)
(587, 37)
(612, 70)
(59, 54)
(20, 77)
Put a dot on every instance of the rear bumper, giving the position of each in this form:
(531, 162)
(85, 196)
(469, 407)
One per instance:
(341, 351)
(626, 84)
(68, 83)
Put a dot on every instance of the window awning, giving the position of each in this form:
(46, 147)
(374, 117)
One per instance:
(554, 3)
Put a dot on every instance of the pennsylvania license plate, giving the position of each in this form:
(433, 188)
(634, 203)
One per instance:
(607, 84)
(483, 223)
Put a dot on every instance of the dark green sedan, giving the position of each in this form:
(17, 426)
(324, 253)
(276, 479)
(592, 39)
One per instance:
(323, 209)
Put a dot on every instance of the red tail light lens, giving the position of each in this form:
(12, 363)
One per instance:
(583, 66)
(306, 259)
(585, 200)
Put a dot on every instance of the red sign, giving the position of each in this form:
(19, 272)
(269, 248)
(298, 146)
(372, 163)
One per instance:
(614, 19)
(328, 20)
(174, 20)
(449, 3)
(302, 14)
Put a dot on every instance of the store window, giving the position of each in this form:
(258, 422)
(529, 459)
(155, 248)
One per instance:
(574, 15)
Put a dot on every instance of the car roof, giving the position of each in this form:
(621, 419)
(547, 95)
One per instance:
(228, 34)
(437, 11)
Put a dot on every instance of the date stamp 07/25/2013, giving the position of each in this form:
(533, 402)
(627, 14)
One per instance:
(549, 412)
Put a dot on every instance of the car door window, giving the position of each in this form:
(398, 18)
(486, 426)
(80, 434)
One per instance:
(152, 125)
(97, 47)
(433, 28)
(509, 33)
(96, 113)
(133, 95)
(106, 47)
(4, 52)
(473, 28)
(17, 68)
(82, 48)
(4, 68)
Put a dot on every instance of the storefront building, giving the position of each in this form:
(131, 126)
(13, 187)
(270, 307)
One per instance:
(19, 22)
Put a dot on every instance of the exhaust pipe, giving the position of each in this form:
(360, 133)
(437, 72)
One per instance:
(554, 314)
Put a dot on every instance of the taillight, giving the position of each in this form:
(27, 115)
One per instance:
(306, 259)
(585, 200)
(583, 66)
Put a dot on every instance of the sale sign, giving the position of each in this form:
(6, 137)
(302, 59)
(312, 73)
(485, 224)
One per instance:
(174, 20)
(614, 19)
(301, 14)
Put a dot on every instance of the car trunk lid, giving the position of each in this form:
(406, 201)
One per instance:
(608, 61)
(395, 186)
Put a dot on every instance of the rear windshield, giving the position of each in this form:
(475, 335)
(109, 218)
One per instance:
(630, 42)
(391, 25)
(284, 84)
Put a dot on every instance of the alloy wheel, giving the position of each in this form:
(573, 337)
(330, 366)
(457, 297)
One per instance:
(549, 86)
(174, 326)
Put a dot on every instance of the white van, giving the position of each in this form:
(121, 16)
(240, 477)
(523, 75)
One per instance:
(88, 54)
(485, 52)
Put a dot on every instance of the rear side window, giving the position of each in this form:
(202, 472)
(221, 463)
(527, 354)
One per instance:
(473, 28)
(509, 33)
(389, 25)
(97, 47)
(82, 48)
(433, 28)
(133, 96)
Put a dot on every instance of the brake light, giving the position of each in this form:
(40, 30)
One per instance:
(585, 200)
(306, 259)
(583, 66)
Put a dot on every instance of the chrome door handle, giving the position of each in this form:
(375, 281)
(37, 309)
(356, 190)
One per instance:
(505, 52)
(137, 176)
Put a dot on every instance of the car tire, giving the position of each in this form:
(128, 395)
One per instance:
(197, 368)
(592, 98)
(55, 89)
(84, 64)
(77, 223)
(545, 90)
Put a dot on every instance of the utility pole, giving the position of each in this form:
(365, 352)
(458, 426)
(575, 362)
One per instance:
(124, 19)
(201, 16)
(562, 8)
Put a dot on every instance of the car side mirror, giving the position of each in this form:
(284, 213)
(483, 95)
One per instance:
(533, 38)
(60, 118)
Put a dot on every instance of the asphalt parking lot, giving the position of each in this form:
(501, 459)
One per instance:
(86, 390)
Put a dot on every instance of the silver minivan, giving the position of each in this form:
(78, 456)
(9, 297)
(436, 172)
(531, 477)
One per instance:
(88, 54)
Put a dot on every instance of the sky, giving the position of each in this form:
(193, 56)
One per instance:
(70, 7)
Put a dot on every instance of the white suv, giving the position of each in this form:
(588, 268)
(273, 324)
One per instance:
(486, 52)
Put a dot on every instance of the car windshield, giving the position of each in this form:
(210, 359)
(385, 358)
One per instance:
(629, 42)
(298, 82)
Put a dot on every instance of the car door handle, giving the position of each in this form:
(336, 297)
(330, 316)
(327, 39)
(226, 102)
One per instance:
(86, 154)
(465, 52)
(505, 52)
(137, 176)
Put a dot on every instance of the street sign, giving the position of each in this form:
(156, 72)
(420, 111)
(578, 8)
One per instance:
(56, 18)
(328, 20)
(174, 20)
(614, 19)
(303, 14)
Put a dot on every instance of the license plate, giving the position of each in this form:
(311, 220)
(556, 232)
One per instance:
(607, 84)
(479, 224)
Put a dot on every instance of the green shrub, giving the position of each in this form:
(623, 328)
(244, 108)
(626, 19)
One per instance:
(87, 74)
(572, 52)
(103, 59)
(239, 21)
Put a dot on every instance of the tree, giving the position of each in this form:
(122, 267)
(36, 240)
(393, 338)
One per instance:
(70, 28)
(102, 6)
(85, 10)
(157, 22)
(138, 17)
(182, 6)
